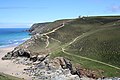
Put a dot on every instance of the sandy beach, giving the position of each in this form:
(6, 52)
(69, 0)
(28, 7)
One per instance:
(8, 67)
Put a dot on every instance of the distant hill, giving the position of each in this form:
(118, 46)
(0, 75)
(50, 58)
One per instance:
(93, 42)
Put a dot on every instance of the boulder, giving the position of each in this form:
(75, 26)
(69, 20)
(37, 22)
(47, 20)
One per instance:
(34, 58)
(42, 58)
(62, 62)
(8, 56)
(20, 53)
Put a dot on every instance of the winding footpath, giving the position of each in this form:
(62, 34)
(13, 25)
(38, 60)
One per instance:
(46, 34)
(80, 37)
(63, 24)
(63, 50)
(47, 41)
(56, 40)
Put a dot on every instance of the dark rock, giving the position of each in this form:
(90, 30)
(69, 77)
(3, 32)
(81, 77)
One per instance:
(43, 58)
(62, 63)
(70, 67)
(20, 53)
(66, 64)
(34, 58)
(78, 72)
(103, 77)
(14, 54)
(8, 56)
(38, 28)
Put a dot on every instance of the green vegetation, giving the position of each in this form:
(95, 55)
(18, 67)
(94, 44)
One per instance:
(93, 42)
(38, 46)
(102, 46)
(8, 77)
(108, 71)
(71, 30)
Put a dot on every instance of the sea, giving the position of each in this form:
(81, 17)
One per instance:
(13, 36)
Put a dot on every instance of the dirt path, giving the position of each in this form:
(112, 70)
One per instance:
(47, 41)
(46, 34)
(54, 29)
(56, 40)
(80, 37)
(90, 59)
(85, 35)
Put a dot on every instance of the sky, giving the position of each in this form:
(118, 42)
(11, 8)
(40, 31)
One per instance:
(24, 13)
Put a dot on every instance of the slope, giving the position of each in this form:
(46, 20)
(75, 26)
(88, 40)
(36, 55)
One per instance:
(93, 42)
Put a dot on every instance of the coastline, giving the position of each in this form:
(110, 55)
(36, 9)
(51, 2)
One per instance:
(13, 36)
(10, 68)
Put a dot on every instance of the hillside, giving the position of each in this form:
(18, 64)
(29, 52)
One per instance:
(91, 42)
(8, 77)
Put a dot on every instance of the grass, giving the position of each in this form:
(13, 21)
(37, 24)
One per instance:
(38, 47)
(71, 30)
(102, 46)
(108, 71)
(99, 40)
(106, 37)
(8, 77)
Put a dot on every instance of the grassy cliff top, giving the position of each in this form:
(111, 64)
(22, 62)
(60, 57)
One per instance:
(92, 42)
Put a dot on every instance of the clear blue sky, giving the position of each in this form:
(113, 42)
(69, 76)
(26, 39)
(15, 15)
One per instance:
(23, 13)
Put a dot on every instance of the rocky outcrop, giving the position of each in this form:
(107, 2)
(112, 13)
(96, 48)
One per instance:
(16, 53)
(20, 53)
(47, 69)
(8, 56)
(33, 58)
(66, 64)
(38, 28)
(38, 58)
(44, 67)
(47, 26)
(27, 48)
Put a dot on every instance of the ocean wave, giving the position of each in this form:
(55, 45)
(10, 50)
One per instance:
(14, 36)
(4, 46)
(15, 42)
(24, 39)
(18, 40)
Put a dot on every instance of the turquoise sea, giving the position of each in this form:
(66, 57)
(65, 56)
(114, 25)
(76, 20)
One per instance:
(13, 36)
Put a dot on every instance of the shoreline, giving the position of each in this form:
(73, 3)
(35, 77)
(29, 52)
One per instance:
(10, 68)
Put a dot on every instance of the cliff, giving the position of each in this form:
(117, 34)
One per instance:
(91, 42)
